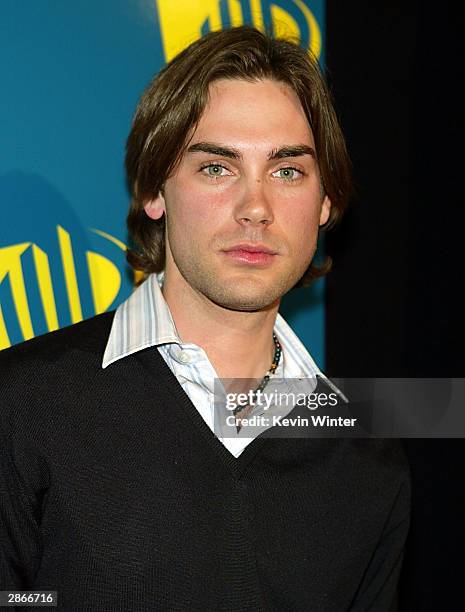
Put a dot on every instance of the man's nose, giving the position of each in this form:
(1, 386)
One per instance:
(254, 207)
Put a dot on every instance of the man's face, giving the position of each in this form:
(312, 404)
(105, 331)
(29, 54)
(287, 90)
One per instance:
(244, 205)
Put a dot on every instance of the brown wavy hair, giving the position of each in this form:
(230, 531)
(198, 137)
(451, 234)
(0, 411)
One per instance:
(173, 103)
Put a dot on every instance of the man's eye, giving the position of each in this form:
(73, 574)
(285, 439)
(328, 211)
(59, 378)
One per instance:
(214, 170)
(288, 174)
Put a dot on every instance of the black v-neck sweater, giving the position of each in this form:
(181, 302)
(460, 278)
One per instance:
(115, 493)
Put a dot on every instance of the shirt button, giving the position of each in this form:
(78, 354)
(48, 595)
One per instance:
(184, 358)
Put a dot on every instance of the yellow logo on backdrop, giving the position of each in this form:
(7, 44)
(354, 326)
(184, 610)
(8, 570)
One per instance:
(183, 21)
(103, 274)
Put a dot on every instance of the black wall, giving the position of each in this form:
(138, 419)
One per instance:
(395, 299)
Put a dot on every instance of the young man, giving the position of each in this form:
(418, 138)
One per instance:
(116, 492)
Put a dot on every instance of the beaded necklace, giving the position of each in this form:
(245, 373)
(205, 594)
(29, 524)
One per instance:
(265, 380)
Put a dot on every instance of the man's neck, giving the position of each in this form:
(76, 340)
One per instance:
(239, 344)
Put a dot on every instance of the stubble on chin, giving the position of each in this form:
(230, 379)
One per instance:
(245, 292)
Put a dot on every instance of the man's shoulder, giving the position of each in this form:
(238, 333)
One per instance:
(89, 336)
(55, 360)
(380, 455)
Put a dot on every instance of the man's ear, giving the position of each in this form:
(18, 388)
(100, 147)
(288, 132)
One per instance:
(155, 207)
(325, 210)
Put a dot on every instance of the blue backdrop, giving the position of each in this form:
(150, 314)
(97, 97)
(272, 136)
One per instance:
(72, 73)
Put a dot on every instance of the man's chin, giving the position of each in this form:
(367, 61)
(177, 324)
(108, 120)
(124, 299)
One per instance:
(243, 292)
(243, 301)
(245, 306)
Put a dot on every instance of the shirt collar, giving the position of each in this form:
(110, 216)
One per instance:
(144, 320)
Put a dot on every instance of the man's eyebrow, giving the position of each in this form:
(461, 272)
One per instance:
(222, 151)
(292, 151)
(214, 149)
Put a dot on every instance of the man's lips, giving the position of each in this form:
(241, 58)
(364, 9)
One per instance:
(254, 254)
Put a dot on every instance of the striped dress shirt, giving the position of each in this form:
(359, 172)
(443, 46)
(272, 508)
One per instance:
(144, 320)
